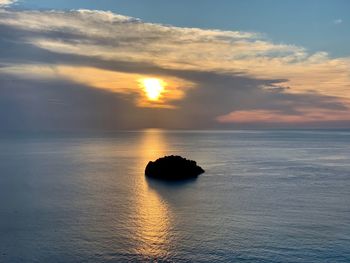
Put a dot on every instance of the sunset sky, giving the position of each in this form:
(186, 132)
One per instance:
(109, 65)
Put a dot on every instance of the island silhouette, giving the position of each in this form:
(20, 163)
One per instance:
(173, 168)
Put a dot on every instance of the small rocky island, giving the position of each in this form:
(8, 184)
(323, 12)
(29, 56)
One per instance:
(172, 168)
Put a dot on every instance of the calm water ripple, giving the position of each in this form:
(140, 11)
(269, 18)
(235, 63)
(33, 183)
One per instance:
(266, 196)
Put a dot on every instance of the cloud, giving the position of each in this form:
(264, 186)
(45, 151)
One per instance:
(115, 37)
(7, 2)
(337, 21)
(276, 116)
(113, 81)
(213, 76)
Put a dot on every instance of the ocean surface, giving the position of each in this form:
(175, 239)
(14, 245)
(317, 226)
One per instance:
(266, 196)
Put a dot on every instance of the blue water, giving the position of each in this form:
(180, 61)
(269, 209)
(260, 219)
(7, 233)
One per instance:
(266, 196)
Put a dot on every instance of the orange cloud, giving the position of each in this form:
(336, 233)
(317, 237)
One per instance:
(275, 116)
(118, 82)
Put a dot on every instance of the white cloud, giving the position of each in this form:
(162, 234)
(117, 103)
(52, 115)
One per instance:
(337, 21)
(7, 2)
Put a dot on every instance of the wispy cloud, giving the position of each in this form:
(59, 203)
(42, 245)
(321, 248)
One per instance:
(275, 116)
(7, 2)
(337, 21)
(211, 73)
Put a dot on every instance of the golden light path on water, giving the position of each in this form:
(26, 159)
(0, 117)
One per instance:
(153, 218)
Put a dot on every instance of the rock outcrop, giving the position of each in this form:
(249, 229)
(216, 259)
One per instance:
(173, 168)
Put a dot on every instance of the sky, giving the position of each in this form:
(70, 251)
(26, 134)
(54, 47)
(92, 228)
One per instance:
(82, 65)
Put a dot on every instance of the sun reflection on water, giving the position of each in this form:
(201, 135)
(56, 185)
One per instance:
(153, 218)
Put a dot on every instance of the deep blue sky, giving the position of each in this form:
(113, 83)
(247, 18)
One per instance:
(310, 24)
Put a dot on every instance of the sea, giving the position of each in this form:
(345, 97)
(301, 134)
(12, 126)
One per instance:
(266, 196)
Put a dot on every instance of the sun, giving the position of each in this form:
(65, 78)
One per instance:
(153, 87)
